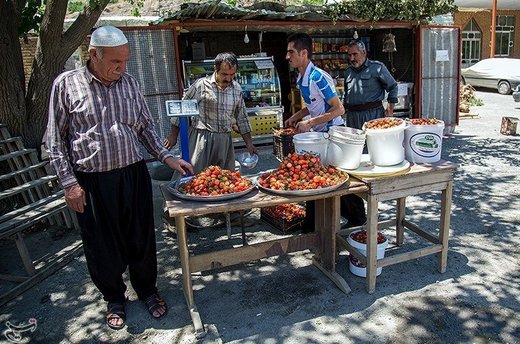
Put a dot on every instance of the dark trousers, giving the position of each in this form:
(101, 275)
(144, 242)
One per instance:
(117, 230)
(351, 207)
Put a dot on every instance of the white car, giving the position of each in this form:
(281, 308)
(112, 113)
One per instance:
(502, 74)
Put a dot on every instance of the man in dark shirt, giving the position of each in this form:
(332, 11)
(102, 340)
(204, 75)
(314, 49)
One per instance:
(365, 84)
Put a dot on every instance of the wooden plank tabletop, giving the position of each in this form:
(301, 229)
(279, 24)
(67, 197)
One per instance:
(254, 199)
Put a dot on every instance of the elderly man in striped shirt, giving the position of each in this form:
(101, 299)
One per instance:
(97, 122)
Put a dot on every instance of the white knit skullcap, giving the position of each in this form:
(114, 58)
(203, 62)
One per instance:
(108, 36)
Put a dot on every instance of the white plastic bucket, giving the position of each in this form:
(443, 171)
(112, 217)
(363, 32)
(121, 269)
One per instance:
(423, 143)
(354, 265)
(386, 146)
(345, 147)
(312, 142)
(342, 132)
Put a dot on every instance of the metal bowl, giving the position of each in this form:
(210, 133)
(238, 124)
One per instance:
(247, 159)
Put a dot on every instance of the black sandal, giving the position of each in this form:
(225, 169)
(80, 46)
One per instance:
(155, 303)
(115, 311)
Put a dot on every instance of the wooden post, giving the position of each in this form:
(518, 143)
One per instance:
(401, 213)
(493, 28)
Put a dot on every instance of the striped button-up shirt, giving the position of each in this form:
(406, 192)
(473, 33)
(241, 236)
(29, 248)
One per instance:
(218, 108)
(95, 128)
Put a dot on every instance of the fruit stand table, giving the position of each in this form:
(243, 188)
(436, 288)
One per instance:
(322, 241)
(421, 178)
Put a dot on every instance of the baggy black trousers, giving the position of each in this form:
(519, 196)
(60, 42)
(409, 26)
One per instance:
(117, 230)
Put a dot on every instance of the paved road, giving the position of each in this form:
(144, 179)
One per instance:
(287, 300)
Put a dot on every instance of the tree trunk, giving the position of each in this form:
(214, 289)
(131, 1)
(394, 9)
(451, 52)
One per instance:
(50, 59)
(12, 82)
(26, 113)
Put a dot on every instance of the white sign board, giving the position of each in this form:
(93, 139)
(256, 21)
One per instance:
(402, 89)
(264, 64)
(441, 55)
(179, 108)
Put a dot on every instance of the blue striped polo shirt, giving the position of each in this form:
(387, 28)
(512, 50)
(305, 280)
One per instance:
(317, 88)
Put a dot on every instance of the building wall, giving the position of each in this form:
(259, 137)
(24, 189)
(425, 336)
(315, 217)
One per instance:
(483, 19)
(28, 47)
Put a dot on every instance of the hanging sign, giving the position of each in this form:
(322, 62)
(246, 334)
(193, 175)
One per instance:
(441, 55)
(264, 64)
(180, 108)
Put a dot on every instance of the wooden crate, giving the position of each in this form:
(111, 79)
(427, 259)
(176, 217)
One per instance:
(509, 125)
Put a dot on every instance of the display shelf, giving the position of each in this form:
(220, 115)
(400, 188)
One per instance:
(260, 84)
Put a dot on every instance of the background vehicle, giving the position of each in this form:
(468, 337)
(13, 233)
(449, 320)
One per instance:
(516, 95)
(502, 74)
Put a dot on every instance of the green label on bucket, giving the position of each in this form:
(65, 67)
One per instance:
(426, 145)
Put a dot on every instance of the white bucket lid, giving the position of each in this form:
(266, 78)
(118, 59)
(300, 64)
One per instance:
(347, 140)
(346, 133)
(310, 137)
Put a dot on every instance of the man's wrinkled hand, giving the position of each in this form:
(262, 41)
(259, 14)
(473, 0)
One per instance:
(75, 198)
(182, 166)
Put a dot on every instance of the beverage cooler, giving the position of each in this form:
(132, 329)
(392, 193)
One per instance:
(261, 90)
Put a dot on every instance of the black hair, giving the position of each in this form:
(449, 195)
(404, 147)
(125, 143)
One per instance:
(301, 41)
(228, 58)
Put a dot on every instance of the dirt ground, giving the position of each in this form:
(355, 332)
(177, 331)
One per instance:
(288, 300)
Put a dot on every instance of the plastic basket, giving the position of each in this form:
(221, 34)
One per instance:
(282, 224)
(282, 146)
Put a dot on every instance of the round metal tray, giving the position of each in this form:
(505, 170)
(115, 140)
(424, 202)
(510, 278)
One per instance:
(173, 187)
(304, 192)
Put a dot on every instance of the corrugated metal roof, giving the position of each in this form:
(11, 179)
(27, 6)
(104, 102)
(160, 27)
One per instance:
(218, 10)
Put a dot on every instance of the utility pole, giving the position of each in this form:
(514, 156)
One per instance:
(493, 28)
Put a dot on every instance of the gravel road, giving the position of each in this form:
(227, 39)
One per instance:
(287, 300)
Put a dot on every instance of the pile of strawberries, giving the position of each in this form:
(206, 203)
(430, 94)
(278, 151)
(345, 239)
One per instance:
(287, 212)
(291, 131)
(361, 237)
(424, 121)
(383, 123)
(214, 181)
(302, 172)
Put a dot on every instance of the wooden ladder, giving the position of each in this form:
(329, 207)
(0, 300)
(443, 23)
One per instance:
(29, 195)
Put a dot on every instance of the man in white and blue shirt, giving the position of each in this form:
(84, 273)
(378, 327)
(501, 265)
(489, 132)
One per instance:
(323, 106)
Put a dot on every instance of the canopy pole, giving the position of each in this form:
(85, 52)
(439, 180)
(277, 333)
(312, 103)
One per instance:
(493, 28)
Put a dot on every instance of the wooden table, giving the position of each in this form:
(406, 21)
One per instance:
(421, 178)
(322, 241)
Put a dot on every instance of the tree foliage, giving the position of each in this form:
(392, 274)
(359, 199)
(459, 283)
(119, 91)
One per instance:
(400, 10)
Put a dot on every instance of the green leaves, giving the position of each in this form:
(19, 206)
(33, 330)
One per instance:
(31, 16)
(383, 10)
